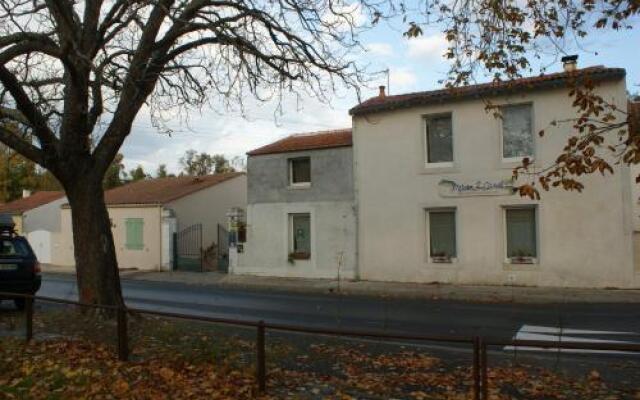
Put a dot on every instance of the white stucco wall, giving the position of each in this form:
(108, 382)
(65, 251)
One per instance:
(635, 196)
(45, 218)
(333, 241)
(41, 226)
(584, 240)
(148, 258)
(210, 206)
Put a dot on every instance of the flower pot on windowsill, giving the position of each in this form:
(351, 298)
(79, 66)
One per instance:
(441, 258)
(522, 257)
(522, 260)
(298, 256)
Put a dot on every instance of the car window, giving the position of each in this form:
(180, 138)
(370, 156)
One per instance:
(13, 248)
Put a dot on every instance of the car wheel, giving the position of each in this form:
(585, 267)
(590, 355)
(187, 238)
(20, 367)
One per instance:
(20, 303)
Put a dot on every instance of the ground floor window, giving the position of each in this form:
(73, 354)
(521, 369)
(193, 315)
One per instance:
(300, 236)
(521, 234)
(442, 234)
(134, 239)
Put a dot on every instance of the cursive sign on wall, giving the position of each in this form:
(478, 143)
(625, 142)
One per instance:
(449, 188)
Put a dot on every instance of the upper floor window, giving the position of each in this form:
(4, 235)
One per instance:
(517, 135)
(439, 139)
(300, 171)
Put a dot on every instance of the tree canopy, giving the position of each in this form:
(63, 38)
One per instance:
(199, 164)
(75, 74)
(508, 39)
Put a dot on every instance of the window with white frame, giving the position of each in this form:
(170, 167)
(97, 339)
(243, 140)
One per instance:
(439, 139)
(300, 236)
(300, 171)
(521, 234)
(442, 234)
(517, 131)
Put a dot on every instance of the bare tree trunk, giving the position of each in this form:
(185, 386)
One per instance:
(95, 254)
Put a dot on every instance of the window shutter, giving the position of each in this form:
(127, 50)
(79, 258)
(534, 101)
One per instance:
(521, 232)
(301, 225)
(442, 233)
(134, 235)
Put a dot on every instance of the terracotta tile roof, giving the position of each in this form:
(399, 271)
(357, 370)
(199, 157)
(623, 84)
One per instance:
(307, 141)
(377, 104)
(37, 199)
(163, 190)
(633, 108)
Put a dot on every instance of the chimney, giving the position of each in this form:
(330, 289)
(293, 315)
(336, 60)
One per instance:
(570, 63)
(26, 193)
(382, 93)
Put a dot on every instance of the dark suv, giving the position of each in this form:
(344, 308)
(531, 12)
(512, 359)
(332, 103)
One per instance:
(19, 267)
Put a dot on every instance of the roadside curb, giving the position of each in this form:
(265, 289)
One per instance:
(431, 292)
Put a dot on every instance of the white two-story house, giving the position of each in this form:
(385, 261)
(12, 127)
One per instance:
(441, 207)
(301, 219)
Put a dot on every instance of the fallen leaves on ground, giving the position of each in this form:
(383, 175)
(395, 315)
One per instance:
(75, 369)
(75, 358)
(355, 373)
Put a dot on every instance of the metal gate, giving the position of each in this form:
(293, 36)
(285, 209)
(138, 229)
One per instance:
(223, 249)
(187, 249)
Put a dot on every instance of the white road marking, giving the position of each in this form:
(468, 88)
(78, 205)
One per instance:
(556, 334)
(569, 331)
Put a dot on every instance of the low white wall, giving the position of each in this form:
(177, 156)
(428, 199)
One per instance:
(333, 241)
(44, 218)
(41, 244)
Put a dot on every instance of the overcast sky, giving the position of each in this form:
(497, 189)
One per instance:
(414, 65)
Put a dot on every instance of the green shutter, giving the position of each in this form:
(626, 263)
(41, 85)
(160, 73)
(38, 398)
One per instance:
(134, 236)
(442, 233)
(301, 225)
(521, 232)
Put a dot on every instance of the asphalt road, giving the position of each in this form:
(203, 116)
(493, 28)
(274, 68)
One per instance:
(548, 322)
(589, 322)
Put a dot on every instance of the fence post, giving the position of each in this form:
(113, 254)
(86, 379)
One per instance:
(261, 365)
(123, 339)
(476, 368)
(28, 318)
(484, 368)
(174, 240)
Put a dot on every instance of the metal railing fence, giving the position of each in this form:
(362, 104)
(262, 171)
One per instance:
(479, 344)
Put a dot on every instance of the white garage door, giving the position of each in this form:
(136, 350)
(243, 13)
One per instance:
(40, 241)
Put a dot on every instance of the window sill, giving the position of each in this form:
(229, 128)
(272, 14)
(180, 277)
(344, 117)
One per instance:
(452, 264)
(522, 265)
(299, 186)
(522, 260)
(438, 168)
(443, 260)
(511, 163)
